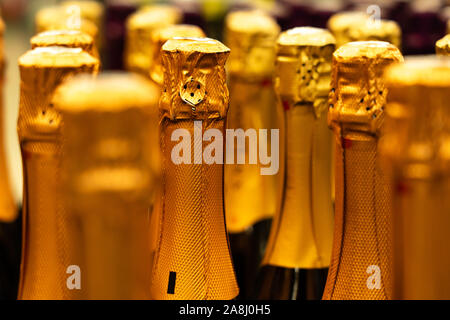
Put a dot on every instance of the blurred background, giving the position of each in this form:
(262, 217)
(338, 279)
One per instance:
(422, 23)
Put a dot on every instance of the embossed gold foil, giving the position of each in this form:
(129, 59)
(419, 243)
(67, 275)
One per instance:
(416, 148)
(65, 38)
(8, 210)
(302, 231)
(138, 42)
(193, 259)
(46, 251)
(251, 35)
(107, 179)
(361, 257)
(60, 18)
(443, 46)
(358, 26)
(160, 36)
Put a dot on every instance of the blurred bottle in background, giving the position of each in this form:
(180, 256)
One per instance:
(250, 196)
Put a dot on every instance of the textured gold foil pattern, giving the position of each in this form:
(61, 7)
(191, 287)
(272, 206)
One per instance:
(358, 26)
(251, 35)
(107, 179)
(65, 38)
(160, 36)
(46, 251)
(8, 210)
(416, 148)
(302, 231)
(443, 46)
(140, 26)
(362, 246)
(192, 260)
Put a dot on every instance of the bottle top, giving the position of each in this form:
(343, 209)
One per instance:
(251, 36)
(60, 18)
(443, 46)
(417, 126)
(358, 93)
(358, 26)
(194, 79)
(64, 38)
(140, 26)
(151, 17)
(41, 71)
(108, 92)
(89, 10)
(303, 67)
(105, 131)
(160, 36)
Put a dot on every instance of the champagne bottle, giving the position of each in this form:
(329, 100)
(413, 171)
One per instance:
(65, 38)
(106, 179)
(139, 28)
(361, 257)
(192, 259)
(250, 197)
(299, 249)
(415, 148)
(159, 37)
(10, 219)
(351, 26)
(59, 18)
(443, 46)
(46, 254)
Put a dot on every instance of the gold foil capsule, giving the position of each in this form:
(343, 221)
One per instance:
(302, 231)
(192, 259)
(358, 26)
(160, 36)
(60, 18)
(251, 35)
(8, 210)
(416, 149)
(65, 38)
(107, 179)
(361, 257)
(46, 252)
(443, 46)
(140, 26)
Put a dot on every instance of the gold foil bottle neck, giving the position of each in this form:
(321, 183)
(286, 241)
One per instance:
(358, 92)
(140, 26)
(194, 79)
(47, 252)
(443, 46)
(60, 18)
(417, 136)
(251, 36)
(65, 38)
(302, 230)
(303, 70)
(359, 26)
(160, 36)
(39, 69)
(89, 10)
